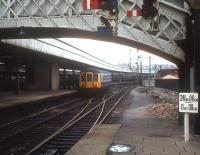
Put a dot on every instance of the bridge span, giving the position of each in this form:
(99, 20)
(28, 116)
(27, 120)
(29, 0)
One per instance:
(19, 18)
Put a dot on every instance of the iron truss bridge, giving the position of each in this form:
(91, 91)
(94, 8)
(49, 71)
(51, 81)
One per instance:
(69, 14)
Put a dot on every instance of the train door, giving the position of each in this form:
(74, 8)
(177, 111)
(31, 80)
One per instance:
(96, 81)
(82, 80)
(89, 80)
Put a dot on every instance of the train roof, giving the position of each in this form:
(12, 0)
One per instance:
(95, 70)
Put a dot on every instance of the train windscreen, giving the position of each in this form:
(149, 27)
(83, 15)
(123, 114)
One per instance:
(89, 77)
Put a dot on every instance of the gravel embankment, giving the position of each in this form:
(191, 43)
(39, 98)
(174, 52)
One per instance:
(166, 103)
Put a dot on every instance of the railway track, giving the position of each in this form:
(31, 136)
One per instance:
(65, 138)
(27, 132)
(18, 126)
(63, 127)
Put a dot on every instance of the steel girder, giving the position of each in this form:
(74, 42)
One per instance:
(70, 14)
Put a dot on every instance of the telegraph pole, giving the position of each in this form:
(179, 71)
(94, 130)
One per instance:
(141, 77)
(138, 71)
(149, 71)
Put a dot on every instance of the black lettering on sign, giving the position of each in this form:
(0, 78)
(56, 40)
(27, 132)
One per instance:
(190, 106)
(182, 97)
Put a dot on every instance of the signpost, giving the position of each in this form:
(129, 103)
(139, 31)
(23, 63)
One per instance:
(188, 103)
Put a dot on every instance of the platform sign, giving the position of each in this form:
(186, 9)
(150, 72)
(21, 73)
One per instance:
(188, 102)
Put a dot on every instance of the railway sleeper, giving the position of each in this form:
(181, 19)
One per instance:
(72, 132)
(51, 152)
(68, 136)
(59, 147)
(66, 139)
(64, 143)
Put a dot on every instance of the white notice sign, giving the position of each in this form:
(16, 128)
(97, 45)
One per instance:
(188, 102)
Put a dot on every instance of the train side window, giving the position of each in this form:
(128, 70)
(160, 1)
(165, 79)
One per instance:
(83, 77)
(104, 77)
(95, 77)
(89, 77)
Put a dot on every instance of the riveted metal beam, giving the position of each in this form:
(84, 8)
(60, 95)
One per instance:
(64, 14)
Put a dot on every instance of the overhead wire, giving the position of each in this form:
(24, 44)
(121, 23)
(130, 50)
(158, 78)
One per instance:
(111, 65)
(86, 52)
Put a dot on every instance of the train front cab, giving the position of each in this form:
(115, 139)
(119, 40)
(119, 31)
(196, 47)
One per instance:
(90, 80)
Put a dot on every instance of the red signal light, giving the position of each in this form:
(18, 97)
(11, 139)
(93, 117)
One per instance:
(134, 13)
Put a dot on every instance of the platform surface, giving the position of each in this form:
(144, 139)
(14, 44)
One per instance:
(11, 99)
(150, 136)
(96, 141)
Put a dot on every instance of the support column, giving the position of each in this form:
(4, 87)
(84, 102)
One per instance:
(17, 88)
(197, 64)
(192, 79)
(45, 76)
(54, 79)
(64, 78)
(41, 74)
(73, 79)
(184, 85)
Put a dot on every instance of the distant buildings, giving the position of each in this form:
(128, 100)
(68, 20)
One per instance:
(167, 74)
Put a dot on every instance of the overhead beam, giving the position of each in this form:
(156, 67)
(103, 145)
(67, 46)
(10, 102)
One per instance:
(194, 4)
(28, 23)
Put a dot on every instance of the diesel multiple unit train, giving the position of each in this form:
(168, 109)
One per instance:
(94, 80)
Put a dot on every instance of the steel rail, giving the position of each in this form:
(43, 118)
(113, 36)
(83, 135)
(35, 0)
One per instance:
(103, 106)
(42, 121)
(39, 113)
(115, 105)
(68, 125)
(10, 145)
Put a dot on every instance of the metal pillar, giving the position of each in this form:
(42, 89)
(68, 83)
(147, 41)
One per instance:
(141, 65)
(73, 79)
(149, 71)
(50, 75)
(184, 85)
(17, 89)
(186, 115)
(196, 41)
(64, 78)
(192, 79)
(186, 127)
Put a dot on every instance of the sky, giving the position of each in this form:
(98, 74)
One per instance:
(114, 53)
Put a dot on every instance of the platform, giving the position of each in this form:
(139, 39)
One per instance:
(96, 141)
(11, 99)
(148, 136)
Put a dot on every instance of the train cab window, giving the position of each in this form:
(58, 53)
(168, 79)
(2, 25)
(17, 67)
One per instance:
(89, 77)
(83, 77)
(95, 77)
